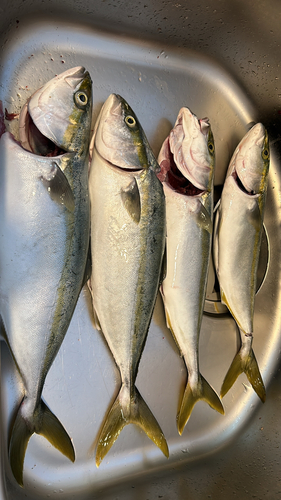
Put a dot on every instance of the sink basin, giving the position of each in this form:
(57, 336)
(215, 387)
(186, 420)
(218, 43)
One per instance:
(220, 60)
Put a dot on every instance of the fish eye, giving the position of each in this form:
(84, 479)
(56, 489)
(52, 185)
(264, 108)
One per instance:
(81, 99)
(265, 153)
(130, 121)
(211, 147)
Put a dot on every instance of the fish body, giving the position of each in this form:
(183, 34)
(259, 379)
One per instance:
(186, 160)
(127, 244)
(239, 223)
(44, 237)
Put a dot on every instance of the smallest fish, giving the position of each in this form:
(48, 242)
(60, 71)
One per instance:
(238, 230)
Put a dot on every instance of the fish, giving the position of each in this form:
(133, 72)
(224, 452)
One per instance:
(238, 231)
(187, 160)
(44, 240)
(127, 245)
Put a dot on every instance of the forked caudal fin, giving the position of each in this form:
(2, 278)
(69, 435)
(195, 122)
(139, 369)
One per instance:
(43, 422)
(126, 410)
(247, 364)
(203, 391)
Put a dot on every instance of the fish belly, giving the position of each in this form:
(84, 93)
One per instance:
(115, 245)
(118, 246)
(239, 237)
(33, 232)
(183, 289)
(189, 229)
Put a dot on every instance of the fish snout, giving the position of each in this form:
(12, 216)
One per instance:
(74, 76)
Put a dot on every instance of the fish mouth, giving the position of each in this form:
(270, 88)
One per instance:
(120, 145)
(241, 185)
(33, 140)
(173, 177)
(113, 165)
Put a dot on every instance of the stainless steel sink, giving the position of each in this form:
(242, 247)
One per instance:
(221, 59)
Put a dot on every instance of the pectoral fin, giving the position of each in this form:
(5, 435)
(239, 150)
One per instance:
(58, 187)
(203, 219)
(131, 200)
(255, 218)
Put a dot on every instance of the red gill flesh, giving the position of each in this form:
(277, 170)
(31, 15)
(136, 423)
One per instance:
(174, 178)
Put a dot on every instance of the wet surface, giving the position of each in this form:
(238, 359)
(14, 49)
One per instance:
(231, 78)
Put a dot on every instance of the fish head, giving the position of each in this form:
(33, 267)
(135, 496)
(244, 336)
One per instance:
(251, 160)
(187, 156)
(59, 113)
(119, 138)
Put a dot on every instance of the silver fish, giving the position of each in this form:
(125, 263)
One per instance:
(187, 161)
(44, 231)
(127, 243)
(238, 233)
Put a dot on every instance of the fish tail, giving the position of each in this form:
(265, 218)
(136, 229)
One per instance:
(21, 433)
(202, 391)
(247, 364)
(42, 422)
(126, 410)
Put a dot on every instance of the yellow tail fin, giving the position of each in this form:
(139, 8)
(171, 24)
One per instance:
(42, 422)
(126, 410)
(203, 391)
(247, 364)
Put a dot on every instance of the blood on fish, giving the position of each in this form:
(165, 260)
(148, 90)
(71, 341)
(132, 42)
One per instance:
(173, 176)
(10, 116)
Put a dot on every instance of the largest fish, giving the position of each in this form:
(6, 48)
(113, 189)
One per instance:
(237, 242)
(44, 236)
(187, 159)
(127, 243)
